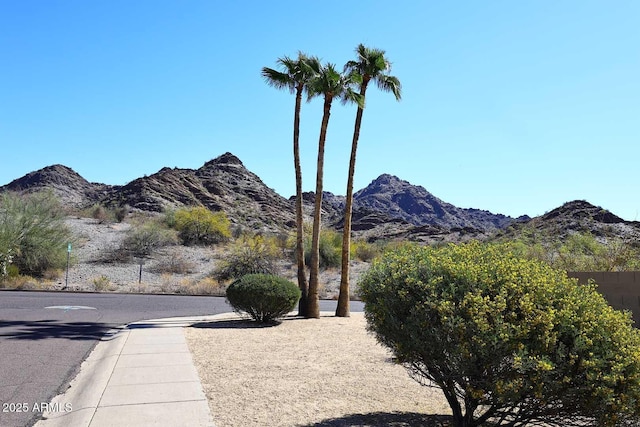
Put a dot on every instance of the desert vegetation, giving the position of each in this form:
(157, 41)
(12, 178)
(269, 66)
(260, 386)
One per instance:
(145, 252)
(200, 226)
(509, 341)
(104, 213)
(264, 297)
(579, 251)
(33, 237)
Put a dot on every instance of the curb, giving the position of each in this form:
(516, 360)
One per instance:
(86, 389)
(77, 406)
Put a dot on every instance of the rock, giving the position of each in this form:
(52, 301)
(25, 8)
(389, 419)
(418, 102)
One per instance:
(71, 188)
(576, 216)
(414, 204)
(388, 208)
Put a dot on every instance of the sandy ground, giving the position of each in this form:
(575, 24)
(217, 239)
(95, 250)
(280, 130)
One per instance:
(307, 372)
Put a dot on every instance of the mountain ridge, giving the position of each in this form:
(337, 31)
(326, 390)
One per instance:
(387, 208)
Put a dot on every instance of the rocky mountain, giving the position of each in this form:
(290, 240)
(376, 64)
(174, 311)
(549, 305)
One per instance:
(576, 216)
(222, 184)
(71, 188)
(391, 208)
(388, 208)
(414, 204)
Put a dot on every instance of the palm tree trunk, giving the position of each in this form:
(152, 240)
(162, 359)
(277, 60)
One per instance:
(313, 303)
(302, 278)
(343, 309)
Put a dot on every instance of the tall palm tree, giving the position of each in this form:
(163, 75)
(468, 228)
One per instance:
(332, 85)
(371, 65)
(295, 76)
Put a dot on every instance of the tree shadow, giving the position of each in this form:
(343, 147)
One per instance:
(387, 419)
(234, 324)
(45, 329)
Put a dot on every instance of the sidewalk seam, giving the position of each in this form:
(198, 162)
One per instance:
(153, 403)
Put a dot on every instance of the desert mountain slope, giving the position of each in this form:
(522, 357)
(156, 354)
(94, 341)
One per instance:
(222, 184)
(577, 216)
(71, 188)
(388, 208)
(415, 205)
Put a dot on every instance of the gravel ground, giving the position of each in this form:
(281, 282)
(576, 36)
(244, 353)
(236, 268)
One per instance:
(307, 372)
(95, 241)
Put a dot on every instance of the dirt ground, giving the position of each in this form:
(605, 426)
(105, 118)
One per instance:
(307, 372)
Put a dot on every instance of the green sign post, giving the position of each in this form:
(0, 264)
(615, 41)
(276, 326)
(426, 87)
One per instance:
(66, 280)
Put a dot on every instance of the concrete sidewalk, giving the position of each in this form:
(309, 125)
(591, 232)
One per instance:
(142, 375)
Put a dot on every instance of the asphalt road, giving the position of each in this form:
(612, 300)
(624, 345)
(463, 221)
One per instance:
(45, 336)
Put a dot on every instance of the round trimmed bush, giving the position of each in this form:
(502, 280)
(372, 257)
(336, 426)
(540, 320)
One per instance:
(264, 297)
(509, 341)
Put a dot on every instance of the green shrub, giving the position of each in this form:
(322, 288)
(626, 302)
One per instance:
(579, 251)
(264, 297)
(33, 236)
(508, 340)
(330, 249)
(169, 218)
(249, 255)
(201, 226)
(142, 241)
(364, 251)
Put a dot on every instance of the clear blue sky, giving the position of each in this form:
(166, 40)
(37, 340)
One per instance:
(510, 106)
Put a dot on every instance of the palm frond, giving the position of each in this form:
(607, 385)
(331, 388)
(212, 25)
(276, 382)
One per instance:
(370, 61)
(350, 96)
(330, 82)
(391, 84)
(371, 64)
(278, 79)
(293, 74)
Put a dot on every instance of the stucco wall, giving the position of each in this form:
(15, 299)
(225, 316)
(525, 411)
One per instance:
(621, 289)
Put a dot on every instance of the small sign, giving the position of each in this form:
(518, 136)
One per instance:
(69, 248)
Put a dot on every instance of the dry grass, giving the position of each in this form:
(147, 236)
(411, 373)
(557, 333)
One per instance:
(309, 372)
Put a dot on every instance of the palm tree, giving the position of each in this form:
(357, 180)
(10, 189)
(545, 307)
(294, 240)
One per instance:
(371, 65)
(295, 77)
(331, 84)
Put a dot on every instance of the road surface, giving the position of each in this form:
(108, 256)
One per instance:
(45, 336)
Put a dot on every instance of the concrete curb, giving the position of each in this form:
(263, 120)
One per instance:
(86, 389)
(96, 397)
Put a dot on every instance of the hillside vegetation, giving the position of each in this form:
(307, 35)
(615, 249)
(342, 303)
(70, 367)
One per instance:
(190, 250)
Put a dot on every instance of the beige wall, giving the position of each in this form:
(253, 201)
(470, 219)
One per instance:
(621, 289)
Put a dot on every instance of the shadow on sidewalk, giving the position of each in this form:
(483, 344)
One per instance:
(45, 329)
(386, 419)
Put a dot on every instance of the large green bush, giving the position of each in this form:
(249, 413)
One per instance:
(199, 225)
(330, 249)
(264, 297)
(509, 341)
(33, 236)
